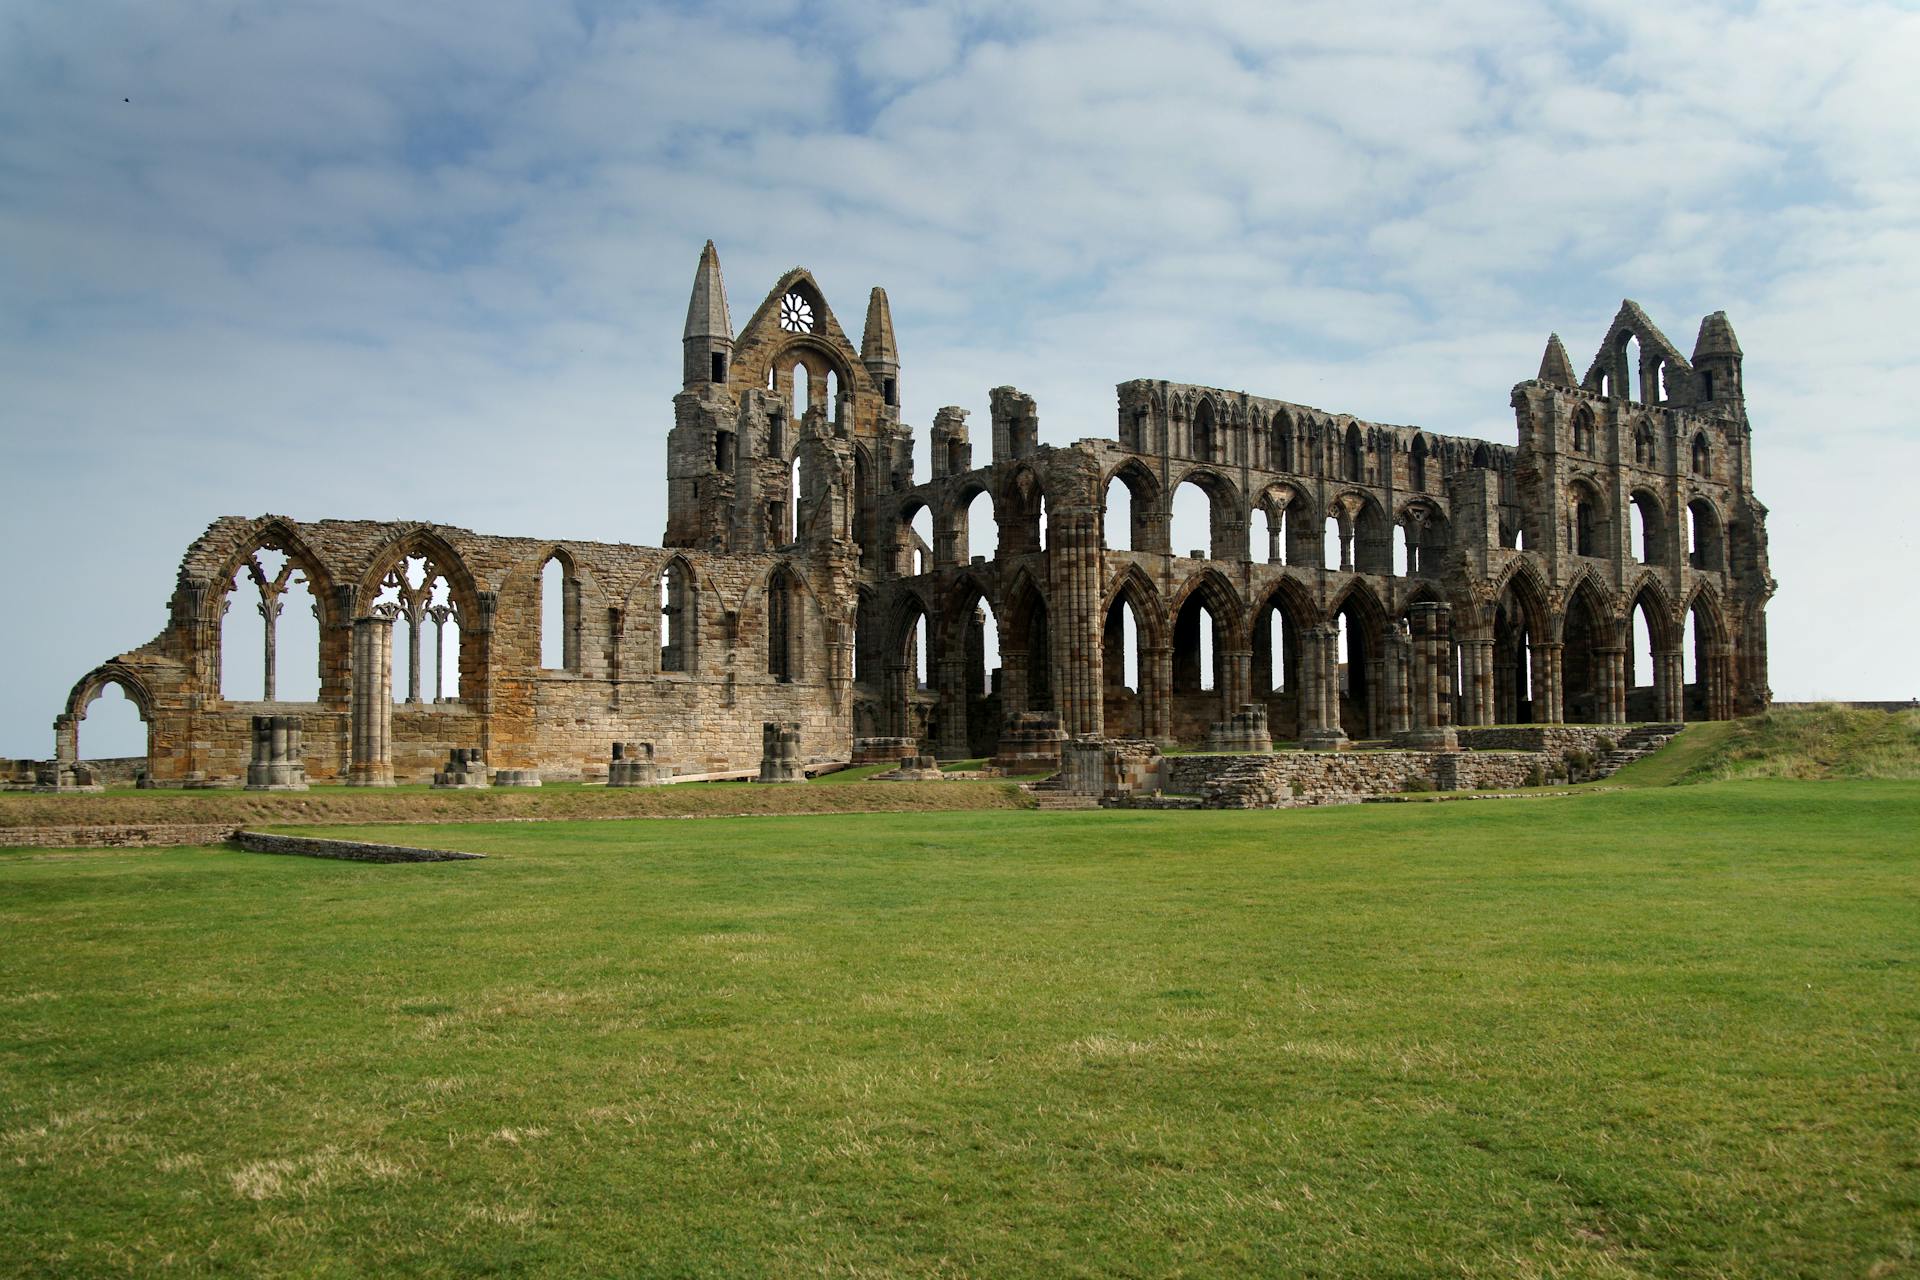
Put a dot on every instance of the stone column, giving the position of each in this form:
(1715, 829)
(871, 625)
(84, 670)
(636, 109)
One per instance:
(270, 607)
(1430, 626)
(899, 686)
(1237, 672)
(66, 739)
(1478, 661)
(372, 764)
(1547, 707)
(1669, 693)
(1718, 677)
(1397, 696)
(1156, 686)
(440, 613)
(950, 681)
(1613, 685)
(1320, 672)
(1076, 623)
(415, 617)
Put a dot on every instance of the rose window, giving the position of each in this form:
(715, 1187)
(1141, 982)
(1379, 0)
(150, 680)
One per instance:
(796, 314)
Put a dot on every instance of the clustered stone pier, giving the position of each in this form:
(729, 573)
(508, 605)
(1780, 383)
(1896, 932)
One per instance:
(278, 753)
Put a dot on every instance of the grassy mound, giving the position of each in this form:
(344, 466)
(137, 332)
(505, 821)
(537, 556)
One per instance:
(1808, 743)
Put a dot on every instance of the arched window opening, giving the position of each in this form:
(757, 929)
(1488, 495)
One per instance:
(794, 494)
(770, 379)
(1336, 550)
(1482, 458)
(1583, 542)
(1198, 651)
(1646, 529)
(983, 536)
(1690, 652)
(110, 727)
(1356, 453)
(1629, 363)
(1417, 463)
(784, 610)
(1702, 456)
(1355, 655)
(1117, 524)
(1209, 674)
(1281, 446)
(1126, 708)
(1512, 663)
(800, 393)
(1261, 537)
(1402, 552)
(920, 653)
(1643, 668)
(1205, 432)
(1645, 448)
(1276, 644)
(415, 595)
(833, 395)
(1043, 522)
(983, 652)
(270, 632)
(1190, 524)
(553, 616)
(1659, 382)
(1583, 433)
(677, 615)
(922, 527)
(1704, 542)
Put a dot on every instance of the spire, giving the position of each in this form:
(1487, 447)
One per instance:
(1716, 338)
(1555, 367)
(707, 308)
(876, 344)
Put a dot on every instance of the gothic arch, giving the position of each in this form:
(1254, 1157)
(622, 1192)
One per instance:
(95, 682)
(277, 533)
(1217, 593)
(1149, 610)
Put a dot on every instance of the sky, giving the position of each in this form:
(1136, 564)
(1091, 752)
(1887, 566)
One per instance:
(430, 260)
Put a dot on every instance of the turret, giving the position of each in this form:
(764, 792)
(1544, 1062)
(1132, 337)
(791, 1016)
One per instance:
(1716, 359)
(1555, 366)
(707, 341)
(877, 351)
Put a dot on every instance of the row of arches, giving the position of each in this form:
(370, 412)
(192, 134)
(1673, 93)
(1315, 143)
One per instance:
(1199, 425)
(1172, 667)
(277, 623)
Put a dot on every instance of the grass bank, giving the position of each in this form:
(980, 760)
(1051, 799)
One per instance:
(829, 794)
(1659, 1031)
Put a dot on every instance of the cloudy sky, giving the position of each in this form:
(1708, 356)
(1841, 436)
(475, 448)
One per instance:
(430, 260)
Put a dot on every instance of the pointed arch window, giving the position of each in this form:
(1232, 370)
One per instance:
(678, 614)
(783, 626)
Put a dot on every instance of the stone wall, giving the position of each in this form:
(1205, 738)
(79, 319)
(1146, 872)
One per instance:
(344, 850)
(1553, 740)
(1290, 778)
(145, 835)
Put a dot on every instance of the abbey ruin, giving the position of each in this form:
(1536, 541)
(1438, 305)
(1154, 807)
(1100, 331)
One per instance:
(1362, 583)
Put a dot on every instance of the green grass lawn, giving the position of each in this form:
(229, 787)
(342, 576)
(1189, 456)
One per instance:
(1668, 1031)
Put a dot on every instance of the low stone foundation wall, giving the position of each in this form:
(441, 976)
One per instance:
(345, 850)
(1551, 739)
(117, 836)
(1292, 778)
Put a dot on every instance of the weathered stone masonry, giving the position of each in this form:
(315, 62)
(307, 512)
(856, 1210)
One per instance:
(792, 585)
